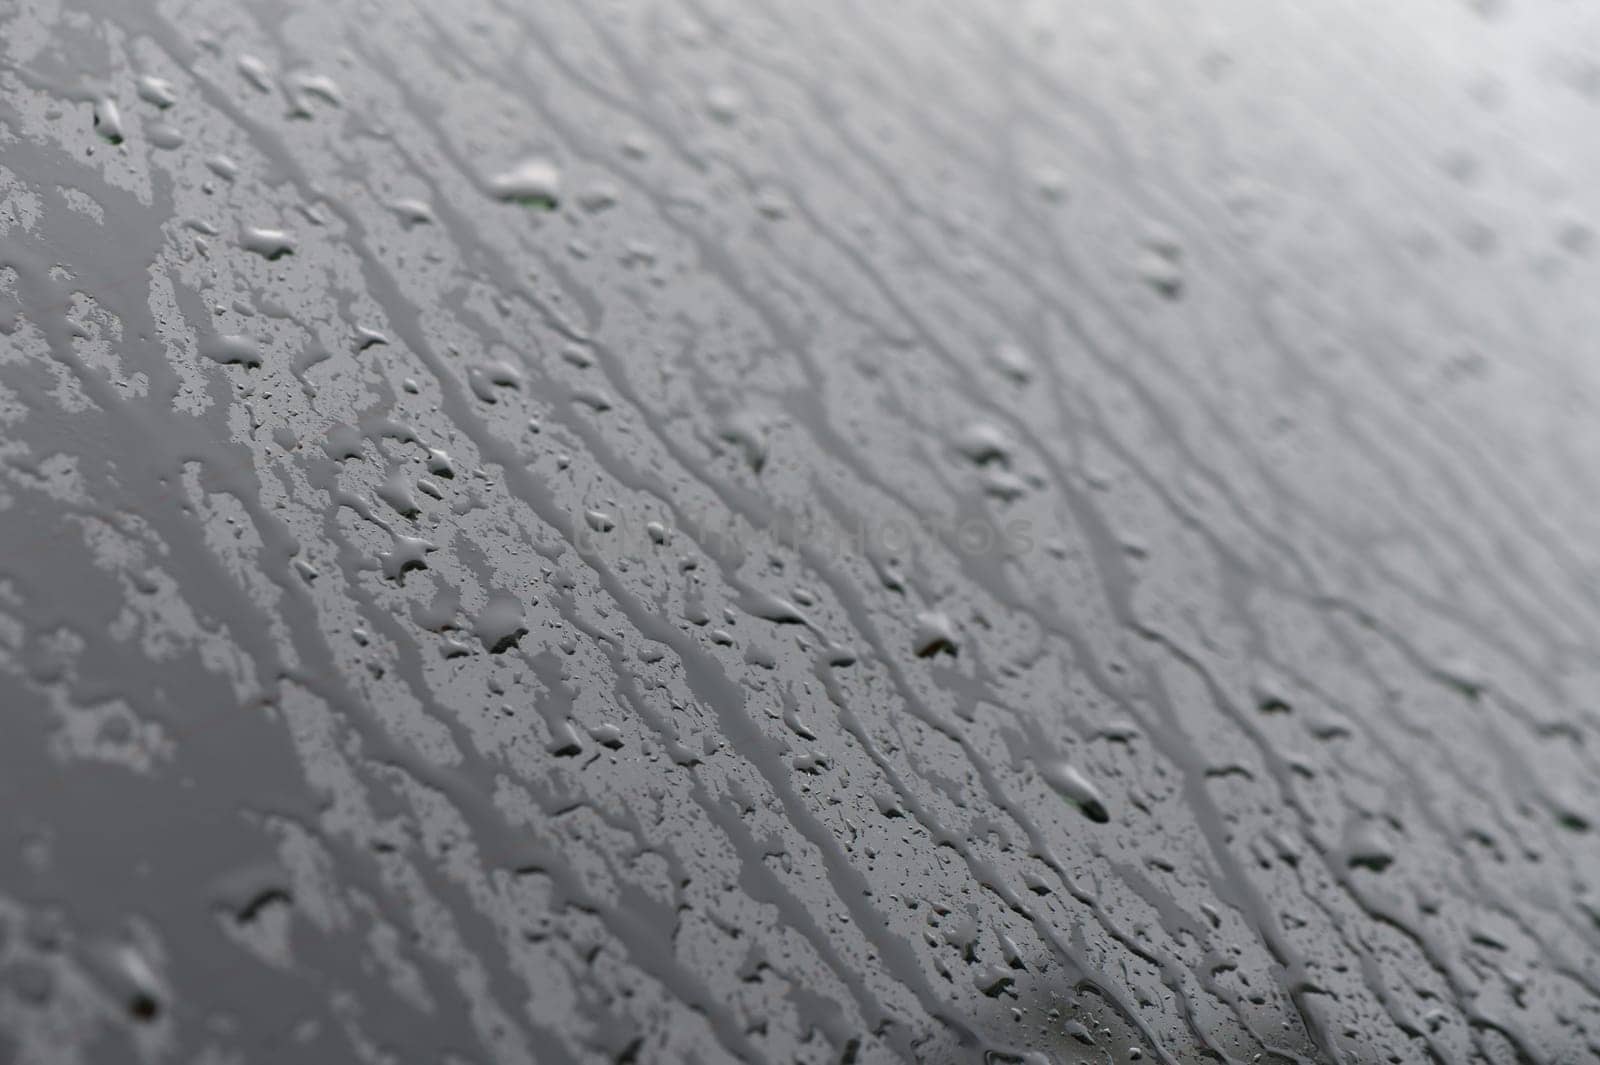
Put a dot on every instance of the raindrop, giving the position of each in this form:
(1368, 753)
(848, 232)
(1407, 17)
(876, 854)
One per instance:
(164, 136)
(1052, 185)
(256, 72)
(1078, 1031)
(439, 613)
(1015, 363)
(599, 197)
(1073, 786)
(157, 91)
(564, 741)
(812, 762)
(983, 443)
(772, 608)
(1003, 484)
(723, 103)
(411, 212)
(270, 244)
(993, 980)
(485, 379)
(408, 553)
(439, 464)
(344, 442)
(772, 203)
(1159, 266)
(230, 350)
(108, 119)
(126, 970)
(303, 88)
(396, 492)
(797, 725)
(935, 633)
(223, 167)
(747, 432)
(1271, 694)
(1365, 846)
(500, 623)
(535, 182)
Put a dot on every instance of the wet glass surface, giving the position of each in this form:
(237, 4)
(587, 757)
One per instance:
(717, 531)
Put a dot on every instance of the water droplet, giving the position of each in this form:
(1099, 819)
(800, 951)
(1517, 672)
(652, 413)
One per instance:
(163, 136)
(439, 464)
(1073, 786)
(396, 492)
(599, 197)
(935, 634)
(411, 212)
(983, 443)
(303, 88)
(500, 623)
(723, 103)
(1159, 267)
(1015, 363)
(270, 244)
(108, 119)
(750, 434)
(564, 740)
(1003, 484)
(812, 762)
(993, 980)
(256, 72)
(222, 166)
(773, 203)
(143, 1007)
(798, 726)
(230, 350)
(535, 181)
(157, 91)
(439, 613)
(408, 553)
(344, 442)
(1052, 185)
(1365, 846)
(485, 379)
(1271, 694)
(771, 608)
(130, 979)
